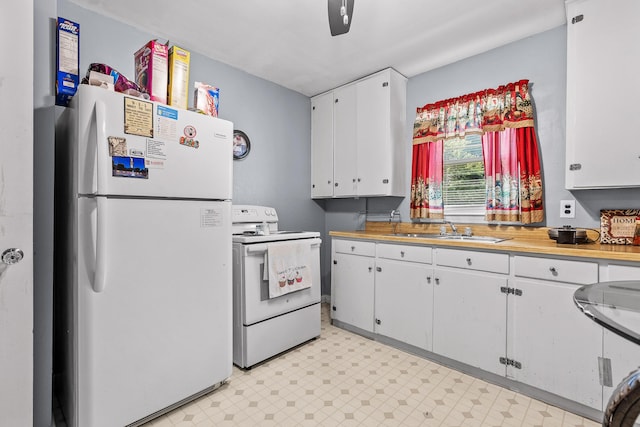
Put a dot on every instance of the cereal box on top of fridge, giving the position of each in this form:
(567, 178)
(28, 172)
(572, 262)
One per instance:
(67, 60)
(152, 68)
(206, 99)
(178, 91)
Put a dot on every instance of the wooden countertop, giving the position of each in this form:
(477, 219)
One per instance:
(533, 240)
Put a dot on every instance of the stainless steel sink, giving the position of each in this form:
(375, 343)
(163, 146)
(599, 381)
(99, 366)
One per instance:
(457, 237)
(417, 235)
(486, 239)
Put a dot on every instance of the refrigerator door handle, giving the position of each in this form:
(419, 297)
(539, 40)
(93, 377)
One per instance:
(101, 143)
(100, 275)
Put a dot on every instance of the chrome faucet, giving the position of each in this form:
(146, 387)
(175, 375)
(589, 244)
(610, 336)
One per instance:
(454, 229)
(394, 225)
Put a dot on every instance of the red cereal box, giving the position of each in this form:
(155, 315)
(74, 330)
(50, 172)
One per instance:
(151, 68)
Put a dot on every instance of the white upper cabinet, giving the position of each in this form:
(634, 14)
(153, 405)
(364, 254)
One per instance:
(345, 133)
(362, 140)
(322, 149)
(603, 56)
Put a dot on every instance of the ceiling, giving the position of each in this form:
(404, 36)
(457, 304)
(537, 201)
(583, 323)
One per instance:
(288, 41)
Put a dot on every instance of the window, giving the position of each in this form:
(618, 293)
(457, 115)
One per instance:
(463, 176)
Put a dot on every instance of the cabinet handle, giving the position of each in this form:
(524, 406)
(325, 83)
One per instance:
(336, 100)
(402, 254)
(354, 180)
(328, 182)
(469, 261)
(553, 271)
(358, 179)
(353, 248)
(378, 321)
(370, 268)
(336, 184)
(428, 279)
(437, 280)
(378, 269)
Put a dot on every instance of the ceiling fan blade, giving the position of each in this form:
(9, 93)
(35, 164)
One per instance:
(336, 20)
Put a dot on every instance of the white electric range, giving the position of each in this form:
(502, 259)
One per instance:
(265, 325)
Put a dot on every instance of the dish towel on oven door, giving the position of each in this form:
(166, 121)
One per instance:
(289, 267)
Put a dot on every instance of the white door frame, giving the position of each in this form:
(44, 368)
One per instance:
(16, 213)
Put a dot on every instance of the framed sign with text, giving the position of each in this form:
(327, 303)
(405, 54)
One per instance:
(617, 226)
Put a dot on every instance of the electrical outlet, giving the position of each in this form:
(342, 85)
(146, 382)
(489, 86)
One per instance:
(567, 208)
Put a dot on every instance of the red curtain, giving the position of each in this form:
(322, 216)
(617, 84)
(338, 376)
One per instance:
(531, 202)
(504, 116)
(426, 181)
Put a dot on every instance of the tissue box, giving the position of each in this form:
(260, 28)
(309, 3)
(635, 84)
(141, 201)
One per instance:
(178, 92)
(151, 68)
(206, 99)
(67, 60)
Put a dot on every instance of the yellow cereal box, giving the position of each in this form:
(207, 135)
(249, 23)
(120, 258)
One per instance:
(178, 90)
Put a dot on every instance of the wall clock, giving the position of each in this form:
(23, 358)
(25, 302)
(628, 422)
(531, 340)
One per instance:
(241, 145)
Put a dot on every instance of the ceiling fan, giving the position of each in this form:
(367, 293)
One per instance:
(340, 16)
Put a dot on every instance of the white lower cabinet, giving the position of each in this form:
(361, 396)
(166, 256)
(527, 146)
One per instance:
(620, 354)
(509, 314)
(469, 314)
(404, 294)
(352, 283)
(555, 345)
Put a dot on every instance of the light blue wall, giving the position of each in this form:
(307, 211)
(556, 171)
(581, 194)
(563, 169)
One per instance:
(277, 120)
(542, 60)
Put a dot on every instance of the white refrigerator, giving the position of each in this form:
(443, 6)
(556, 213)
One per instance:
(143, 257)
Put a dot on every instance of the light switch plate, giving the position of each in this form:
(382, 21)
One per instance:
(567, 208)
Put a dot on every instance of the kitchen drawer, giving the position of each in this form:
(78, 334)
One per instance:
(355, 247)
(558, 270)
(420, 254)
(472, 260)
(623, 272)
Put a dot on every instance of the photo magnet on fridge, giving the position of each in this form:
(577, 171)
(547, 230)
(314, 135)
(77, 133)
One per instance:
(129, 167)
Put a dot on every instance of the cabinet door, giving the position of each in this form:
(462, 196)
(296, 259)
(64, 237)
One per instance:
(623, 355)
(374, 163)
(404, 301)
(322, 145)
(352, 290)
(603, 56)
(344, 141)
(469, 318)
(555, 343)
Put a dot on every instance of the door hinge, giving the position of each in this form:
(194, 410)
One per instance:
(510, 362)
(577, 18)
(604, 371)
(507, 290)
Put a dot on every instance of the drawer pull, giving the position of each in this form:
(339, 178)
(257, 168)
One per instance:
(370, 268)
(353, 248)
(553, 271)
(402, 254)
(469, 261)
(378, 269)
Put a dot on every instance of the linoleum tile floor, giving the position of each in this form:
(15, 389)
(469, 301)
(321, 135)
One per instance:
(343, 379)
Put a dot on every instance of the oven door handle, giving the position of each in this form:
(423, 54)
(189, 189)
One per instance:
(262, 247)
